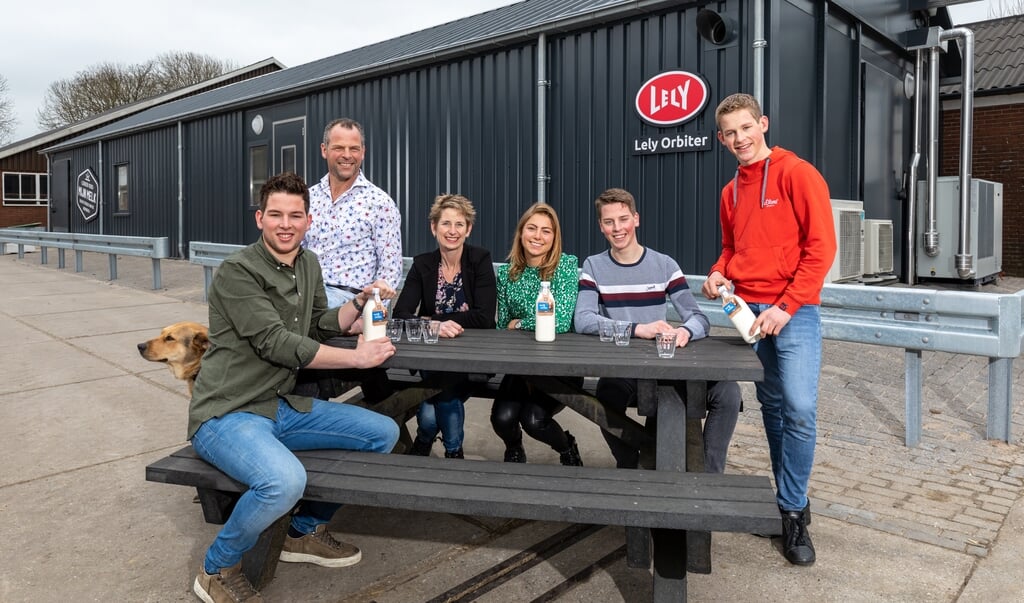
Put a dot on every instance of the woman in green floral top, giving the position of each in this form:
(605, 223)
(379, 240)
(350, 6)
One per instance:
(536, 256)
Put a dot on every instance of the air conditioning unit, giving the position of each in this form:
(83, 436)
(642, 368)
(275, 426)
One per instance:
(985, 230)
(848, 217)
(878, 247)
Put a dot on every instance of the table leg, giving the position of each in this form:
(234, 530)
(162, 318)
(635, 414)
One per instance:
(669, 546)
(698, 544)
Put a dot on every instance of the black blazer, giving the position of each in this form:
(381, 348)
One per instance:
(419, 293)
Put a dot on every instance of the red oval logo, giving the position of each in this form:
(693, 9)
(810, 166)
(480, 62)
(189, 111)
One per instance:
(671, 98)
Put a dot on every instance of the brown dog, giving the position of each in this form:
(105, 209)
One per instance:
(181, 346)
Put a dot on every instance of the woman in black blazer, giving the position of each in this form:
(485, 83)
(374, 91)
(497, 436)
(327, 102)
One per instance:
(453, 284)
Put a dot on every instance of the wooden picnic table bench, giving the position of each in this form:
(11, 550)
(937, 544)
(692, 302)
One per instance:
(675, 505)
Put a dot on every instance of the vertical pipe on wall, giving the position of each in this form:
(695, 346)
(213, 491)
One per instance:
(99, 178)
(964, 259)
(931, 233)
(759, 45)
(915, 162)
(542, 84)
(181, 194)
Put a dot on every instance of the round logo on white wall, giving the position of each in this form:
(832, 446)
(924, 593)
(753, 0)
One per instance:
(671, 98)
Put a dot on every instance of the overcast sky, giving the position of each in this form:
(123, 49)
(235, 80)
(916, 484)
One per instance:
(45, 41)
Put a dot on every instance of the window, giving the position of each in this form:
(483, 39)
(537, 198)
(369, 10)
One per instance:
(259, 171)
(122, 189)
(26, 189)
(288, 158)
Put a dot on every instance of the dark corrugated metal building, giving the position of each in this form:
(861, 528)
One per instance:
(532, 101)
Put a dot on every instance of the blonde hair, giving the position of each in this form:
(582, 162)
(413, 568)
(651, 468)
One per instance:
(449, 201)
(737, 102)
(517, 257)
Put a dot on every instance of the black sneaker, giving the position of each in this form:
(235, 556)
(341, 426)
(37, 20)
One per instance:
(515, 454)
(420, 448)
(571, 457)
(454, 454)
(796, 541)
(807, 521)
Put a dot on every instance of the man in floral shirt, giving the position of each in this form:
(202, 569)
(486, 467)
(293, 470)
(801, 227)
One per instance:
(356, 231)
(356, 234)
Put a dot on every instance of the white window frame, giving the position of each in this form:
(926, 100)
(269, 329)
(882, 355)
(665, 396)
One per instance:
(38, 200)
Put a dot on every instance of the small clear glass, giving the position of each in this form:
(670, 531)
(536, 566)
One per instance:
(413, 329)
(606, 330)
(622, 332)
(395, 326)
(666, 343)
(431, 331)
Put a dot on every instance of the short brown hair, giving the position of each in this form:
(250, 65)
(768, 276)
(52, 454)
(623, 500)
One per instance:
(615, 195)
(449, 201)
(285, 182)
(517, 257)
(737, 102)
(347, 124)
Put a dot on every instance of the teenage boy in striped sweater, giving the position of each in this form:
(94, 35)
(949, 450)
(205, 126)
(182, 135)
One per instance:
(630, 282)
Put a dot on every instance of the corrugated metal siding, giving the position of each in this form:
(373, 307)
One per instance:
(215, 200)
(84, 158)
(465, 127)
(592, 124)
(152, 185)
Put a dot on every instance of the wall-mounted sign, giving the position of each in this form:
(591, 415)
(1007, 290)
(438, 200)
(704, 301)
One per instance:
(88, 195)
(671, 98)
(671, 143)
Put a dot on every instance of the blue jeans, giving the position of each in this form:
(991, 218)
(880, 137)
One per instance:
(338, 297)
(789, 401)
(256, 451)
(445, 413)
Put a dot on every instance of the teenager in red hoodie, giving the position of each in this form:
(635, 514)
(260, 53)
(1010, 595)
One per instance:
(778, 244)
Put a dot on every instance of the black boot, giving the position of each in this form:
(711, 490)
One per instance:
(515, 453)
(571, 457)
(796, 540)
(420, 448)
(454, 454)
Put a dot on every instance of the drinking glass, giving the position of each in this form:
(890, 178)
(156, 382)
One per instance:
(395, 329)
(666, 343)
(606, 328)
(621, 332)
(413, 329)
(431, 331)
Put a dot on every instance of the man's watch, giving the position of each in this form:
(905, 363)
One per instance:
(358, 306)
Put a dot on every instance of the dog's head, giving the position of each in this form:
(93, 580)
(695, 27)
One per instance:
(181, 346)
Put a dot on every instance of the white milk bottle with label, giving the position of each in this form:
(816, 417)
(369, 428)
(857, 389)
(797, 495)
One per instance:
(739, 313)
(375, 318)
(545, 330)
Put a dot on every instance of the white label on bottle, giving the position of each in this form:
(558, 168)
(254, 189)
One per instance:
(544, 307)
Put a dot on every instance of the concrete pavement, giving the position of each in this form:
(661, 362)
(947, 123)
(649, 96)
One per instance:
(82, 414)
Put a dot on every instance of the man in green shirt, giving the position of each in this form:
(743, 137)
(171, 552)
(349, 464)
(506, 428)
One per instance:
(268, 315)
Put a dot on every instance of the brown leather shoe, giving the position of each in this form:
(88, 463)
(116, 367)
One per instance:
(229, 585)
(320, 548)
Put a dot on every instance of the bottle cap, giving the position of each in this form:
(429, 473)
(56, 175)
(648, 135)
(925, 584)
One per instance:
(545, 283)
(376, 291)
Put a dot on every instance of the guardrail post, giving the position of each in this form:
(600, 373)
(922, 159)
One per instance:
(112, 257)
(60, 258)
(42, 254)
(1000, 399)
(912, 384)
(207, 280)
(21, 251)
(157, 280)
(78, 260)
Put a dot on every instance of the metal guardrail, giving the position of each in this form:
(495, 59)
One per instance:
(155, 248)
(917, 320)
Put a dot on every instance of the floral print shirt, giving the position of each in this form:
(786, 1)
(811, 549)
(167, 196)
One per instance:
(450, 296)
(358, 236)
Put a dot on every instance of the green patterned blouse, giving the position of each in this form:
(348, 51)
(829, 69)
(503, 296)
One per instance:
(516, 299)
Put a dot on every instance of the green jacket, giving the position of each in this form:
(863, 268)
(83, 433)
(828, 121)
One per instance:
(266, 322)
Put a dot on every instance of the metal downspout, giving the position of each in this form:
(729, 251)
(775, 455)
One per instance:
(931, 234)
(759, 45)
(99, 178)
(964, 259)
(542, 85)
(181, 195)
(915, 162)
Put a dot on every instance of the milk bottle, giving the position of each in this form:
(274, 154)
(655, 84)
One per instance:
(375, 318)
(739, 313)
(545, 330)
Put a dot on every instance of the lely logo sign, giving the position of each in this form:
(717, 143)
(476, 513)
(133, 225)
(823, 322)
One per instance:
(671, 98)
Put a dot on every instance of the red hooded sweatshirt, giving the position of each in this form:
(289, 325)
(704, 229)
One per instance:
(777, 247)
